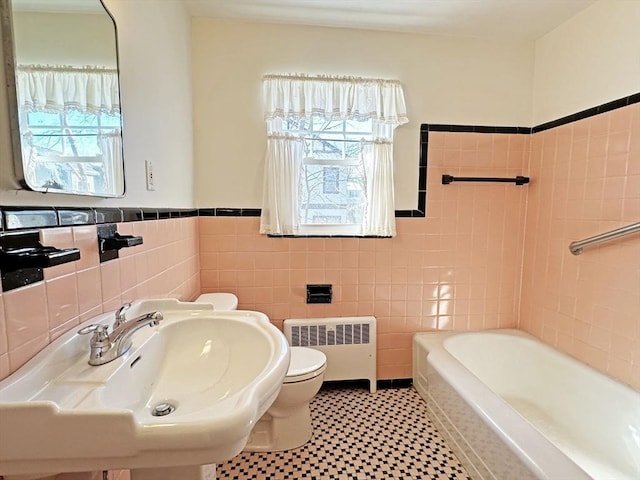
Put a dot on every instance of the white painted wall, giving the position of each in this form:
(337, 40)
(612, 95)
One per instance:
(64, 39)
(591, 59)
(155, 81)
(446, 80)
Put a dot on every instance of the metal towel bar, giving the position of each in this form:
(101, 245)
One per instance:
(518, 180)
(576, 247)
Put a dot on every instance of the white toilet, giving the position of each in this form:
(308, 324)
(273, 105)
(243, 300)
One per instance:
(220, 301)
(287, 423)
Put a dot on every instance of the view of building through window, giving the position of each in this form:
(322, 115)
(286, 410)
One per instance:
(332, 180)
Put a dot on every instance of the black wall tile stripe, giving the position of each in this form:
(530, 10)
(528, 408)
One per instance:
(29, 217)
(75, 216)
(590, 112)
(17, 217)
(131, 214)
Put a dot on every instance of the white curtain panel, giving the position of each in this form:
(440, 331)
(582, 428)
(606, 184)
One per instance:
(379, 218)
(57, 89)
(111, 147)
(281, 178)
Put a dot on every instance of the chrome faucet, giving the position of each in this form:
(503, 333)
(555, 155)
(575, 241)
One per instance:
(106, 347)
(120, 318)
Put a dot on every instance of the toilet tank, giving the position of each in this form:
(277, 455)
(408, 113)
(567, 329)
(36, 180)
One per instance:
(220, 301)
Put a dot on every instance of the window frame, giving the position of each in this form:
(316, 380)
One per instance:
(348, 136)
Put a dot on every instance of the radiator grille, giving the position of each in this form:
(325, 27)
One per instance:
(348, 342)
(320, 335)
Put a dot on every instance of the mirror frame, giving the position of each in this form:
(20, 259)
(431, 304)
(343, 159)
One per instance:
(9, 52)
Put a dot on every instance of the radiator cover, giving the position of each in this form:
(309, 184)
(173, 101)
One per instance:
(348, 342)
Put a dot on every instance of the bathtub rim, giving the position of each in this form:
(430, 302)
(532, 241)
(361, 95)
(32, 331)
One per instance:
(530, 446)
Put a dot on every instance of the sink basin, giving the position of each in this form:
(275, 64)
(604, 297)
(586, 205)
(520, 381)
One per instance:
(218, 371)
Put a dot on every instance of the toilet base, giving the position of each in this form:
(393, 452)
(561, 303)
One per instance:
(275, 434)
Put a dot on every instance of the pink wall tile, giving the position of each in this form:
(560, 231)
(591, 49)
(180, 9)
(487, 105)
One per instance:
(59, 238)
(89, 288)
(85, 238)
(18, 356)
(110, 281)
(26, 315)
(462, 267)
(4, 348)
(413, 282)
(62, 300)
(32, 316)
(586, 305)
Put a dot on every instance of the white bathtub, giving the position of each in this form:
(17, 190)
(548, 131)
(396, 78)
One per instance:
(512, 407)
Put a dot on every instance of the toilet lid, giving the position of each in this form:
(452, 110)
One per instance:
(305, 363)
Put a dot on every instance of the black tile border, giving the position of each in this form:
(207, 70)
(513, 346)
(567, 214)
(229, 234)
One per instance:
(590, 112)
(229, 212)
(380, 384)
(395, 383)
(476, 129)
(13, 218)
(108, 215)
(70, 216)
(19, 218)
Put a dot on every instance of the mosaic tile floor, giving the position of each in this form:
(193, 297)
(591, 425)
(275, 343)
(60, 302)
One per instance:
(358, 435)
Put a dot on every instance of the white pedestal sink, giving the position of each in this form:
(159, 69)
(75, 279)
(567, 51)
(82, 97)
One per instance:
(220, 371)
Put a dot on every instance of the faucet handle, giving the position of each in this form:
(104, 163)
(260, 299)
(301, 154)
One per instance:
(100, 336)
(91, 328)
(120, 315)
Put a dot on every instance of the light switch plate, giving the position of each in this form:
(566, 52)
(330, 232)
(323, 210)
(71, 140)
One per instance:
(148, 166)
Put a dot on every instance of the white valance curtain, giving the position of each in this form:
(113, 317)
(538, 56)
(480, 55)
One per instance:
(301, 96)
(332, 98)
(58, 89)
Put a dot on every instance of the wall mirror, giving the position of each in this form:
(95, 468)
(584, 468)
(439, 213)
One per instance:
(62, 73)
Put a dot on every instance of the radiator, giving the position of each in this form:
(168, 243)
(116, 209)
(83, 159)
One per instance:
(348, 342)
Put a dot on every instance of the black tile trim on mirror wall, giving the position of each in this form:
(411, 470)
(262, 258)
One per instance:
(69, 216)
(18, 218)
(131, 214)
(29, 217)
(108, 215)
(164, 214)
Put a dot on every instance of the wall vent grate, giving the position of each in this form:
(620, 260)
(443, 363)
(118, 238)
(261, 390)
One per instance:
(321, 335)
(348, 342)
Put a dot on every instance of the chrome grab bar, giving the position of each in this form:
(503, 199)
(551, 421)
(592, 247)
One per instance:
(576, 247)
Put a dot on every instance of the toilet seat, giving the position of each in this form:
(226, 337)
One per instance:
(305, 363)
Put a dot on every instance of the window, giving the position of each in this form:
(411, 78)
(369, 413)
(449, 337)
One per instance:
(332, 181)
(66, 150)
(329, 163)
(70, 129)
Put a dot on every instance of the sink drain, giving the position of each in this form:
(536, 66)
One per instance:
(162, 409)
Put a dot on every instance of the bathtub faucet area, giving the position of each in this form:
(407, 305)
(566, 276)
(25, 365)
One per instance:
(106, 347)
